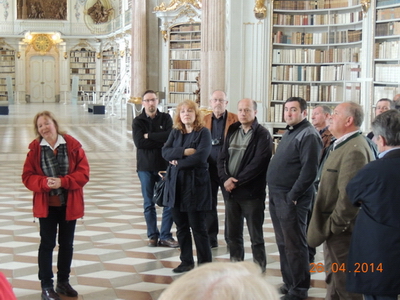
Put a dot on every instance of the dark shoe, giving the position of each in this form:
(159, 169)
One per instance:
(169, 243)
(66, 289)
(49, 294)
(283, 290)
(152, 242)
(291, 297)
(214, 245)
(183, 268)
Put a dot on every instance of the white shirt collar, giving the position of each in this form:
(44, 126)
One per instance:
(343, 138)
(60, 140)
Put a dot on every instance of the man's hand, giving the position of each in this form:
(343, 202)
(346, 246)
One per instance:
(230, 184)
(146, 135)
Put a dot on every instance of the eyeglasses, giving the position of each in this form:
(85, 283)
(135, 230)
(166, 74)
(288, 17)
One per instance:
(150, 100)
(218, 100)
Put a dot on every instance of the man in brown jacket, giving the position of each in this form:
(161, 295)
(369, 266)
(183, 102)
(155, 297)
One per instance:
(333, 216)
(218, 123)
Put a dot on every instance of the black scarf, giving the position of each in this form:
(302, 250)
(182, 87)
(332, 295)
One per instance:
(55, 166)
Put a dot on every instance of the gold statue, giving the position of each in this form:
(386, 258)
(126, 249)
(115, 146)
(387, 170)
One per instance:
(260, 11)
(99, 13)
(175, 4)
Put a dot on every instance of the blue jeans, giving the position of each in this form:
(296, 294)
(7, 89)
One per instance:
(48, 233)
(148, 180)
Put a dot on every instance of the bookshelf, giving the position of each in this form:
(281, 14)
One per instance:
(387, 49)
(83, 64)
(110, 69)
(184, 61)
(7, 70)
(316, 54)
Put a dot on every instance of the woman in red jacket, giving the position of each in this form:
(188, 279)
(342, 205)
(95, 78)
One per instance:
(55, 170)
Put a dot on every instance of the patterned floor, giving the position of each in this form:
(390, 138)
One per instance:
(111, 259)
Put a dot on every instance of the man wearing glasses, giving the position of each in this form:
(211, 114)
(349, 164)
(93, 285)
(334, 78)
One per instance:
(218, 123)
(150, 131)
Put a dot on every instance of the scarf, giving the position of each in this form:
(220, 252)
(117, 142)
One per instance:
(55, 166)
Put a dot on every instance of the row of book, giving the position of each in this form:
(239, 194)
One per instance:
(317, 93)
(316, 4)
(83, 59)
(316, 73)
(82, 54)
(386, 2)
(83, 71)
(387, 50)
(385, 92)
(185, 37)
(177, 98)
(83, 65)
(318, 38)
(6, 69)
(185, 54)
(276, 114)
(385, 29)
(4, 81)
(304, 55)
(191, 45)
(7, 52)
(185, 64)
(87, 85)
(182, 87)
(4, 58)
(190, 27)
(317, 19)
(387, 72)
(388, 14)
(183, 75)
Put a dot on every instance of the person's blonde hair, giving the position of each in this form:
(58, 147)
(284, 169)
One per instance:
(222, 280)
(198, 122)
(49, 115)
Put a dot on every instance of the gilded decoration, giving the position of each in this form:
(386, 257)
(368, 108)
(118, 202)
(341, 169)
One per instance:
(99, 13)
(175, 4)
(42, 9)
(260, 11)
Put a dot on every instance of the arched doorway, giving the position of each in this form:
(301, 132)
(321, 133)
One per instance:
(43, 79)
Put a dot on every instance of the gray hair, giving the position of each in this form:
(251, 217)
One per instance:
(387, 125)
(356, 111)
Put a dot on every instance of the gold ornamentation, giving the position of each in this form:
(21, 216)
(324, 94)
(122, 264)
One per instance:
(18, 55)
(164, 35)
(260, 11)
(99, 13)
(175, 4)
(65, 55)
(365, 5)
(42, 43)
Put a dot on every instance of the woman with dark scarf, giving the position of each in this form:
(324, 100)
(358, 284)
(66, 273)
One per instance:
(55, 170)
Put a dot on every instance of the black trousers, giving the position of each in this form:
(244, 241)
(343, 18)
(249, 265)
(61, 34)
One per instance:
(48, 233)
(290, 223)
(195, 221)
(253, 211)
(212, 215)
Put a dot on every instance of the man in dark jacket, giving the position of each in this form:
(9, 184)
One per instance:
(373, 261)
(290, 176)
(242, 167)
(150, 131)
(218, 122)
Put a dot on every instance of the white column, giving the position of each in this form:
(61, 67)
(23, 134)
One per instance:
(138, 60)
(212, 48)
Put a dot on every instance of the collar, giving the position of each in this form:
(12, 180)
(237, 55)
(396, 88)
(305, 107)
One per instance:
(223, 116)
(382, 154)
(343, 138)
(294, 127)
(323, 130)
(60, 140)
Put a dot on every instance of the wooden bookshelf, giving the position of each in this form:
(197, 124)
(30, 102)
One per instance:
(316, 54)
(184, 62)
(7, 69)
(83, 64)
(387, 49)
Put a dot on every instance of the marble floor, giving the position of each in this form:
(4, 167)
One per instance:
(111, 259)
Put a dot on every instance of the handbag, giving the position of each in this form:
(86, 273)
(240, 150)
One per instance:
(158, 194)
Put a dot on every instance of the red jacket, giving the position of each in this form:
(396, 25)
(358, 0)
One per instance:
(78, 175)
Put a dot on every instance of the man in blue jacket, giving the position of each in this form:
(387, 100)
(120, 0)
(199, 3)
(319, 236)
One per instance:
(242, 167)
(150, 131)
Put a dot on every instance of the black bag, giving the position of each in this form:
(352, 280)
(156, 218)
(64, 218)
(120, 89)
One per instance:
(158, 194)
